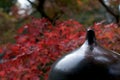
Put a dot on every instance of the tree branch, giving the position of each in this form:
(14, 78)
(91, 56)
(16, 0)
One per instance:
(32, 3)
(110, 11)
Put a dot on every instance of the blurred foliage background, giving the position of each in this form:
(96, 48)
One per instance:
(13, 14)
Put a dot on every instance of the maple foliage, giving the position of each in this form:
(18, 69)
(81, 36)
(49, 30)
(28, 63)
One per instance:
(39, 44)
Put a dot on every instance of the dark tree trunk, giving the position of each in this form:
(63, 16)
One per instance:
(40, 8)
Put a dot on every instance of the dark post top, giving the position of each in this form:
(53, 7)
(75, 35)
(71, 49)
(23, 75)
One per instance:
(90, 36)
